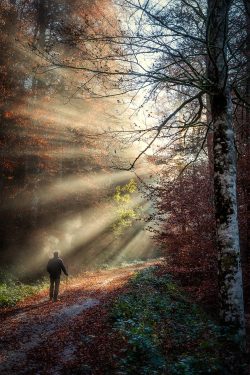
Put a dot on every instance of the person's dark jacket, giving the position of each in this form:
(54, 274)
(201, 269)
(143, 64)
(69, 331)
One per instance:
(55, 267)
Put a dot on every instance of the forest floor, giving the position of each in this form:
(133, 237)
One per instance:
(42, 337)
(108, 320)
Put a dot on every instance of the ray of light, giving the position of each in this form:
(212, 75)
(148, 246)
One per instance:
(76, 231)
(63, 188)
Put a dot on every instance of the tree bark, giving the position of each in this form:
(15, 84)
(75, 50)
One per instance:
(247, 128)
(229, 265)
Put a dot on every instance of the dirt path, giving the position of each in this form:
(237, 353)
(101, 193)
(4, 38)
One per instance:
(41, 337)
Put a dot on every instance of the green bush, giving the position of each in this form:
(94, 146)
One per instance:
(13, 291)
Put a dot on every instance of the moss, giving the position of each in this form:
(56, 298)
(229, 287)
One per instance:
(229, 262)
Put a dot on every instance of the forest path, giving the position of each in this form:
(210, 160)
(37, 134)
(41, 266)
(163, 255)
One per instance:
(41, 337)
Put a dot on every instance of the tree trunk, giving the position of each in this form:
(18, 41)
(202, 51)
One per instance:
(229, 265)
(247, 128)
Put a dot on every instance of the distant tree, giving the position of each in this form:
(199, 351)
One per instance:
(41, 145)
(126, 212)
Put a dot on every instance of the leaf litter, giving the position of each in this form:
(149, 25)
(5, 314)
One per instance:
(70, 336)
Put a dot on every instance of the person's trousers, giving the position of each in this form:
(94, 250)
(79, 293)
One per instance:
(54, 288)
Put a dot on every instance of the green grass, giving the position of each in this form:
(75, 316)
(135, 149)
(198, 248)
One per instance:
(10, 294)
(13, 291)
(164, 333)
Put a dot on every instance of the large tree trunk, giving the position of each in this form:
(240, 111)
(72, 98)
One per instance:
(247, 129)
(229, 265)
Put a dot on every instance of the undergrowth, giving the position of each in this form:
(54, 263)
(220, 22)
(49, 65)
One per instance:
(13, 291)
(164, 333)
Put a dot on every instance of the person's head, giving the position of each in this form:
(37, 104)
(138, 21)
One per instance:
(56, 254)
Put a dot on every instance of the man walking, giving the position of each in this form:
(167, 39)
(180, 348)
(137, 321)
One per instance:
(54, 268)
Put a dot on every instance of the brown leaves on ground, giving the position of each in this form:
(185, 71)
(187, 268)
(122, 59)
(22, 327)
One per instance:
(71, 336)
